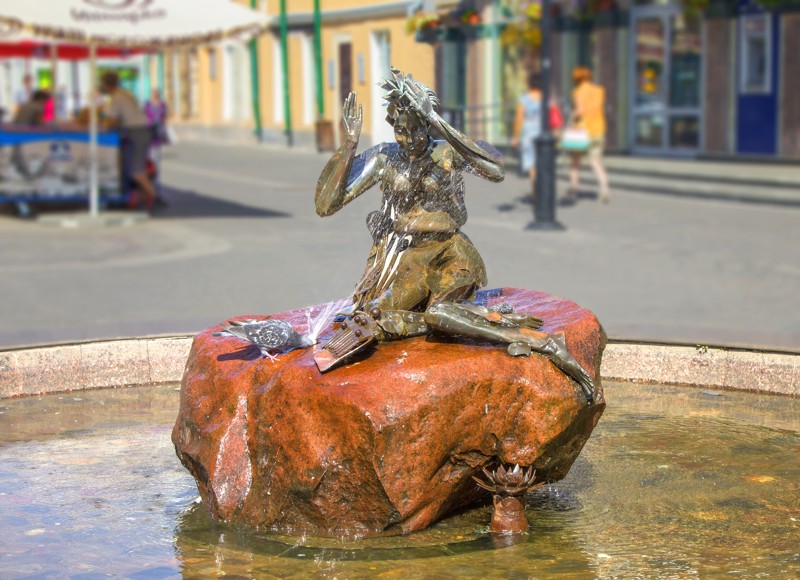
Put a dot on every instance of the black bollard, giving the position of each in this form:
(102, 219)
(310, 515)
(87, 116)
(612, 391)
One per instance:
(544, 205)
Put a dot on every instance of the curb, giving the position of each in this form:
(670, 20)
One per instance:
(93, 365)
(161, 360)
(701, 366)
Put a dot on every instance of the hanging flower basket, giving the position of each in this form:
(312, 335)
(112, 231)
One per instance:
(422, 21)
(526, 31)
(470, 18)
(430, 35)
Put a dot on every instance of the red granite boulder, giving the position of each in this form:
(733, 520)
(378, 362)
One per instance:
(389, 441)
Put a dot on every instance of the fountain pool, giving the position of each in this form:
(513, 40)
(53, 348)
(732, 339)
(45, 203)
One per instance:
(674, 482)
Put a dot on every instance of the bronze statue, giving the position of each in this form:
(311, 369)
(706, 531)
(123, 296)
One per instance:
(422, 270)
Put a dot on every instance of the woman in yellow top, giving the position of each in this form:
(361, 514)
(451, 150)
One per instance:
(588, 113)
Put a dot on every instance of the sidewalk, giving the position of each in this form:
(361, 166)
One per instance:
(770, 183)
(241, 237)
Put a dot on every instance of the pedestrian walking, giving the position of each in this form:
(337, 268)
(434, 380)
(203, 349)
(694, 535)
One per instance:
(588, 114)
(528, 126)
(155, 110)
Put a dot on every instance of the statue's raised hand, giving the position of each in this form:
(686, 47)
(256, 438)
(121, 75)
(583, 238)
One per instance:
(420, 97)
(351, 118)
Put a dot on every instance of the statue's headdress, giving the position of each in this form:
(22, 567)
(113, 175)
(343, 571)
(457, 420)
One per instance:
(405, 95)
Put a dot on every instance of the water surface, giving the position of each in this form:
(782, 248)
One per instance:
(674, 482)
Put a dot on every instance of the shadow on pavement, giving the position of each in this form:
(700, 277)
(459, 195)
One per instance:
(526, 202)
(583, 195)
(190, 204)
(522, 202)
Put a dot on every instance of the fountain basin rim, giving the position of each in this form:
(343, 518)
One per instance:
(153, 360)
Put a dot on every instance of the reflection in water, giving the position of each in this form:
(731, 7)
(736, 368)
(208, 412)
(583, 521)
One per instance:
(674, 482)
(460, 542)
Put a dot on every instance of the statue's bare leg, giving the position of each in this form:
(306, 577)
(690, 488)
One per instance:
(463, 320)
(399, 324)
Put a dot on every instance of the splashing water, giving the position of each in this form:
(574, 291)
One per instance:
(316, 324)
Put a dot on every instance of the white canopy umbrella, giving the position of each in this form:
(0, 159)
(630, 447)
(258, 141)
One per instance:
(151, 24)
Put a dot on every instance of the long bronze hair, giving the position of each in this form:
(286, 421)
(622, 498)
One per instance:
(401, 90)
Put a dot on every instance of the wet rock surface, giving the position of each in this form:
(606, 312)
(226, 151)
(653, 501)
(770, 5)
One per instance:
(388, 442)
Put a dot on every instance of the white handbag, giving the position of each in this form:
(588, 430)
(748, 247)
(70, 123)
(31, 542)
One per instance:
(575, 139)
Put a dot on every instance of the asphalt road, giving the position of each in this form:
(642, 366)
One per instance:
(241, 237)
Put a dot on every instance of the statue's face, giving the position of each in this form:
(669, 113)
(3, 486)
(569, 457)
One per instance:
(411, 134)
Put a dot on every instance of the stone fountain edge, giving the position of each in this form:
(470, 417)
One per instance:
(161, 360)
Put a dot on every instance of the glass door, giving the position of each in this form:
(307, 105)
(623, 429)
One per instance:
(665, 79)
(649, 102)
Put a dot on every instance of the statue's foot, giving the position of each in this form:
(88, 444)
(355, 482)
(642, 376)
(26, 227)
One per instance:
(586, 383)
(352, 335)
(525, 320)
(556, 349)
(347, 312)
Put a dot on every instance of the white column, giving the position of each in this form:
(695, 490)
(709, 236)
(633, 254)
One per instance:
(379, 62)
(227, 81)
(309, 84)
(277, 82)
(94, 190)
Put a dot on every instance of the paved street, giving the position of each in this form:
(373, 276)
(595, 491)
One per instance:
(241, 237)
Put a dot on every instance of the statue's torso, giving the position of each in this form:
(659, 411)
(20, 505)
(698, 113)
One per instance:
(431, 183)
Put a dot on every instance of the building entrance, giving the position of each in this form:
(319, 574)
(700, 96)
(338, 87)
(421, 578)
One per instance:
(666, 44)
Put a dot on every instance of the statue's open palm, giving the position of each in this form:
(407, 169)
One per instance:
(351, 118)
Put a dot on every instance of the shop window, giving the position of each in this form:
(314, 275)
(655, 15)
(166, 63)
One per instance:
(649, 130)
(684, 132)
(755, 53)
(650, 40)
(685, 53)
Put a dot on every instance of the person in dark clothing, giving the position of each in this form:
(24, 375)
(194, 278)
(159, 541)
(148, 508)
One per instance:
(125, 113)
(31, 113)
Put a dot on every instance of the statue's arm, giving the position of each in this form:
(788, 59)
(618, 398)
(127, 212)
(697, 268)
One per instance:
(483, 159)
(346, 176)
(422, 221)
(332, 184)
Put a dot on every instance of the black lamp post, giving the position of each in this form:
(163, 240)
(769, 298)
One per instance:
(544, 205)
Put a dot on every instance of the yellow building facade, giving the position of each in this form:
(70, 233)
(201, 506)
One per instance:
(209, 89)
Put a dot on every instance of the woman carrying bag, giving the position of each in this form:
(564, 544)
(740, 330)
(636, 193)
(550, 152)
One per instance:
(528, 125)
(587, 134)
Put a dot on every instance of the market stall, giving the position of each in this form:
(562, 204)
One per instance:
(52, 165)
(135, 24)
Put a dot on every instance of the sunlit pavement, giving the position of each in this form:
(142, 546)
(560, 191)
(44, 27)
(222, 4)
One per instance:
(241, 237)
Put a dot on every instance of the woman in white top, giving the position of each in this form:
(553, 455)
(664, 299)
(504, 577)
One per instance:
(135, 131)
(528, 126)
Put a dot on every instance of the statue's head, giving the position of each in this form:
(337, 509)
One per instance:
(404, 96)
